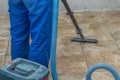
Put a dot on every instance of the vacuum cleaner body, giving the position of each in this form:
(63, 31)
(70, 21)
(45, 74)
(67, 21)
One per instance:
(21, 69)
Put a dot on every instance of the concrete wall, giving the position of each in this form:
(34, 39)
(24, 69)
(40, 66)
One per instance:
(79, 5)
(93, 5)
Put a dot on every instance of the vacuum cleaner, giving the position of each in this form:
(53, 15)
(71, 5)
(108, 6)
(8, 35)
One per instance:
(21, 69)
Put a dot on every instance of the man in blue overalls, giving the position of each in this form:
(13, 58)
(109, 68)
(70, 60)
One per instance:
(31, 20)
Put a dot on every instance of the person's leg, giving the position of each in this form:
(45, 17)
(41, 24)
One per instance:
(40, 15)
(19, 29)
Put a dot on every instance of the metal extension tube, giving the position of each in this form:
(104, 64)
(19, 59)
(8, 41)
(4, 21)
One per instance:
(79, 31)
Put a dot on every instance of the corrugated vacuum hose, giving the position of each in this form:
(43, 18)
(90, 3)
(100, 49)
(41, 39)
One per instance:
(103, 66)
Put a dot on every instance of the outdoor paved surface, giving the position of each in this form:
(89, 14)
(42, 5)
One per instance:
(74, 59)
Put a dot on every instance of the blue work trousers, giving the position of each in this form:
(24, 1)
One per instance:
(31, 25)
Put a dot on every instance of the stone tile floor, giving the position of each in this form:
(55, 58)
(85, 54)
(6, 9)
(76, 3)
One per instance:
(73, 58)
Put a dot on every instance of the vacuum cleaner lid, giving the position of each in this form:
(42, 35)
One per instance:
(22, 69)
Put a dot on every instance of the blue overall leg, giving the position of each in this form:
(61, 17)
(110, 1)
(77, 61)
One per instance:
(40, 16)
(19, 29)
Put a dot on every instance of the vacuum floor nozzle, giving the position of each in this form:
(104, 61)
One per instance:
(84, 40)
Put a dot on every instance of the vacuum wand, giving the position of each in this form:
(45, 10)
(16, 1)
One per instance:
(79, 31)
